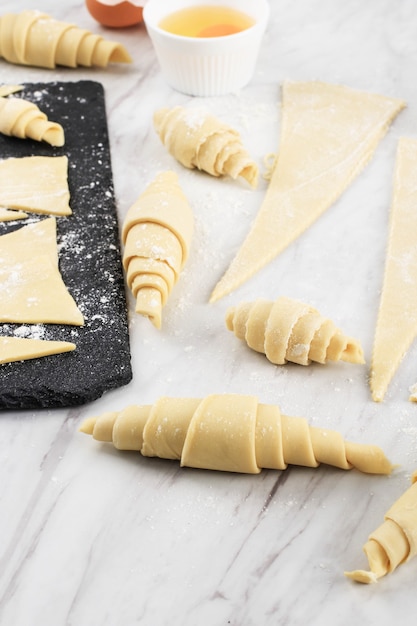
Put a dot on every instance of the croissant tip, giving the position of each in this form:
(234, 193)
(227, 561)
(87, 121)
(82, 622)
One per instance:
(87, 426)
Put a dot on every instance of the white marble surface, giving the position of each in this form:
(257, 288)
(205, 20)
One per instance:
(91, 536)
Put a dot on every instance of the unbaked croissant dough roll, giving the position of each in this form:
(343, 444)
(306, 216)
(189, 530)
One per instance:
(288, 330)
(21, 118)
(230, 432)
(199, 140)
(35, 38)
(394, 542)
(157, 233)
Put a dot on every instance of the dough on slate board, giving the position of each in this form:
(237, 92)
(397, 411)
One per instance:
(89, 259)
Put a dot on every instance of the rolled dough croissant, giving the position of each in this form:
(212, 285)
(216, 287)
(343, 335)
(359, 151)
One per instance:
(395, 541)
(199, 140)
(21, 118)
(229, 432)
(288, 330)
(157, 233)
(35, 38)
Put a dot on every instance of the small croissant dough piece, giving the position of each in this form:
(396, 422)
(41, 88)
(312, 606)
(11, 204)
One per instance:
(395, 541)
(157, 233)
(288, 330)
(22, 349)
(231, 433)
(23, 119)
(199, 140)
(23, 38)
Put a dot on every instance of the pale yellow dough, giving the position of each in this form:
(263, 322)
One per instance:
(23, 119)
(22, 349)
(35, 38)
(8, 215)
(28, 243)
(7, 90)
(328, 134)
(394, 542)
(396, 326)
(230, 432)
(199, 140)
(157, 233)
(34, 292)
(37, 184)
(288, 330)
(31, 286)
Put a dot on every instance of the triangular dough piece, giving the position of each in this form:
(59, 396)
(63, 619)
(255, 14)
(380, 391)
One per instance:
(35, 183)
(29, 242)
(329, 133)
(22, 349)
(397, 318)
(33, 292)
(8, 215)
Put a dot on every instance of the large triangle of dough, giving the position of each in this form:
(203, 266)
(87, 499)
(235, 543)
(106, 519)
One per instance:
(397, 318)
(35, 183)
(29, 242)
(328, 134)
(22, 349)
(33, 292)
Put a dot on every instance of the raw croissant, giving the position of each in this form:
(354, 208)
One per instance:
(157, 233)
(395, 541)
(232, 433)
(21, 118)
(199, 140)
(288, 330)
(35, 38)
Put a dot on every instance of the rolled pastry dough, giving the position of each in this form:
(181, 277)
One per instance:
(396, 325)
(230, 432)
(22, 349)
(23, 119)
(288, 330)
(394, 542)
(37, 184)
(328, 135)
(35, 38)
(157, 233)
(199, 140)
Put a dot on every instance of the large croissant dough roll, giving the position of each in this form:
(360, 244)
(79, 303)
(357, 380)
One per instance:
(199, 140)
(232, 433)
(35, 38)
(288, 330)
(157, 233)
(395, 541)
(23, 119)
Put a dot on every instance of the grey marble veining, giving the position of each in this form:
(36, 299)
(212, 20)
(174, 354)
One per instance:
(94, 537)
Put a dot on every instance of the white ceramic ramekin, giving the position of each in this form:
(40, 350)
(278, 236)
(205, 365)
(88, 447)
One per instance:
(209, 66)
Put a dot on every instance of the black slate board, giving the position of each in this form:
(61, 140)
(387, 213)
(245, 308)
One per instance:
(89, 260)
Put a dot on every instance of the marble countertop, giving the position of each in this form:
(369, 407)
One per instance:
(93, 536)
